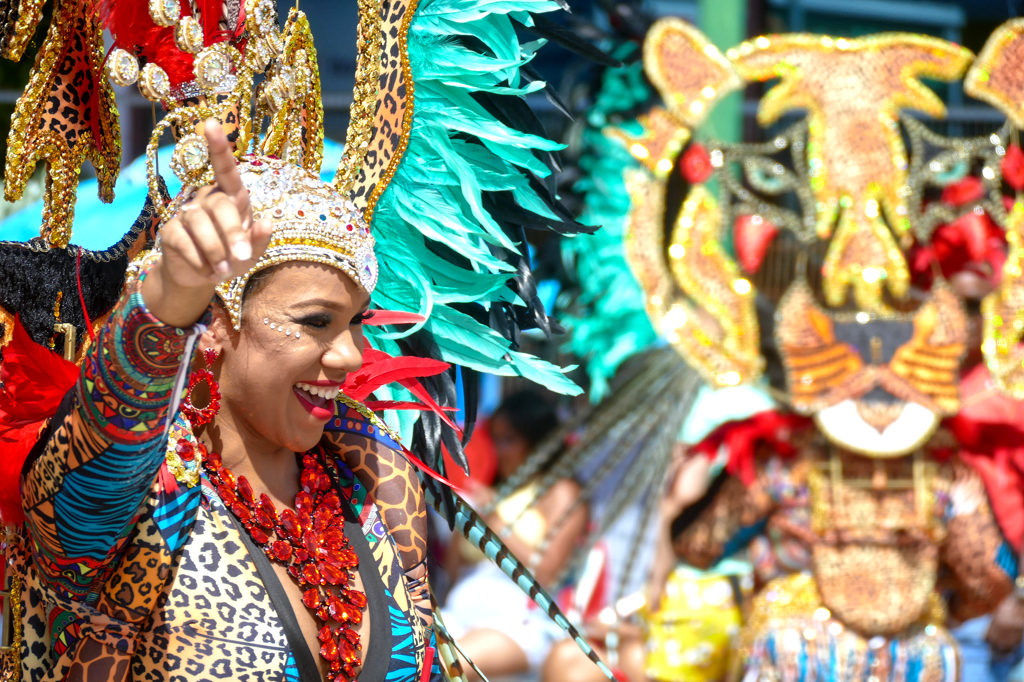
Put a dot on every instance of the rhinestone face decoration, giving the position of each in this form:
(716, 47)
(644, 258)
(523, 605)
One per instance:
(154, 84)
(164, 12)
(313, 223)
(188, 35)
(122, 67)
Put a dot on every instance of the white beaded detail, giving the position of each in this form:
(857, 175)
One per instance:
(280, 328)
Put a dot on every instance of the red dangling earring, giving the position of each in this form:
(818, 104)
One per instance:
(199, 416)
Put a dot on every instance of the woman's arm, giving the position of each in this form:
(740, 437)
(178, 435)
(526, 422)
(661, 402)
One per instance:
(687, 483)
(100, 455)
(973, 548)
(85, 488)
(393, 485)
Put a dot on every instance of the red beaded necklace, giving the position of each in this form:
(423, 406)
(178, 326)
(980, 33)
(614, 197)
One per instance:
(311, 542)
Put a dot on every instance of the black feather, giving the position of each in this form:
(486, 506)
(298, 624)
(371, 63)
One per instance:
(546, 28)
(530, 75)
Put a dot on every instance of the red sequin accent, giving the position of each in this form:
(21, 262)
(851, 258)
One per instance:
(329, 650)
(310, 541)
(185, 451)
(283, 552)
(246, 490)
(290, 523)
(311, 598)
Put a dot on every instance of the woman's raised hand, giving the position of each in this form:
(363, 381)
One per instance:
(212, 239)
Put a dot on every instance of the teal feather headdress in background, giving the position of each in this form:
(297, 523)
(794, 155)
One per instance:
(607, 319)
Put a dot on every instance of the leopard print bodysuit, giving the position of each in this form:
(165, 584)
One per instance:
(130, 573)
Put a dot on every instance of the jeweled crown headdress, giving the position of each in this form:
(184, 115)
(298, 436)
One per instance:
(199, 60)
(312, 223)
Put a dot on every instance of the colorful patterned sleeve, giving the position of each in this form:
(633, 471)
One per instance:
(83, 493)
(376, 459)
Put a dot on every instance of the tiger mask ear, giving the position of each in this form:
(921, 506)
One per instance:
(690, 73)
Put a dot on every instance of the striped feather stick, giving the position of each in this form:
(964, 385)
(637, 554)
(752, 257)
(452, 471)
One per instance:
(448, 650)
(473, 528)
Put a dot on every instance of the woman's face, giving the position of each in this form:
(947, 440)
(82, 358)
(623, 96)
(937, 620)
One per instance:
(281, 386)
(510, 446)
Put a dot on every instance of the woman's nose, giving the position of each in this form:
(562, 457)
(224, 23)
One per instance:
(345, 354)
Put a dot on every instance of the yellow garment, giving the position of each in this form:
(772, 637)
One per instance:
(689, 638)
(531, 527)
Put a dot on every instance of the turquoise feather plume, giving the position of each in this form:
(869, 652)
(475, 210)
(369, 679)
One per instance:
(438, 244)
(608, 321)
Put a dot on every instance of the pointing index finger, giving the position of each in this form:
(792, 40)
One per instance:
(225, 171)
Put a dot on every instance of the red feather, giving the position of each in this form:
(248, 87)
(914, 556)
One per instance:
(380, 318)
(380, 369)
(35, 380)
(133, 30)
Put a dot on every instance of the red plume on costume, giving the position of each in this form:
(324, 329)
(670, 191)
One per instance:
(380, 369)
(134, 30)
(35, 380)
(741, 439)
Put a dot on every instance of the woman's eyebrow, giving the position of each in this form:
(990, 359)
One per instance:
(319, 302)
(327, 303)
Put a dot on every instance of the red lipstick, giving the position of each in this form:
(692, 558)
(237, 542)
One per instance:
(319, 413)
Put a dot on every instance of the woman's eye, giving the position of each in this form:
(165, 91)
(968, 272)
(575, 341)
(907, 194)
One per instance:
(315, 321)
(362, 317)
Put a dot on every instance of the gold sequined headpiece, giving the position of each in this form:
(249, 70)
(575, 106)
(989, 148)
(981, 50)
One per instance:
(198, 59)
(313, 223)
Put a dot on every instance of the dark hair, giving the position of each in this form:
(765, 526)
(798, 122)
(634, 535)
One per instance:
(255, 283)
(530, 413)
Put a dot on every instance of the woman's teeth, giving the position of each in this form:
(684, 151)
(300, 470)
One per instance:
(325, 392)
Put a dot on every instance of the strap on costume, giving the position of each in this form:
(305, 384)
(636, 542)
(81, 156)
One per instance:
(304, 661)
(377, 654)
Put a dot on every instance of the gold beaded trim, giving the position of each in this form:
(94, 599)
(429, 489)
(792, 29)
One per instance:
(868, 198)
(1002, 314)
(296, 128)
(32, 139)
(12, 652)
(177, 117)
(410, 100)
(369, 53)
(30, 12)
(995, 75)
(691, 74)
(368, 414)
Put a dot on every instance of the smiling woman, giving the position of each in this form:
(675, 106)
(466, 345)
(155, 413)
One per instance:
(199, 499)
(282, 333)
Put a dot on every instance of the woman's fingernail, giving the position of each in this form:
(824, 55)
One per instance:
(242, 250)
(222, 267)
